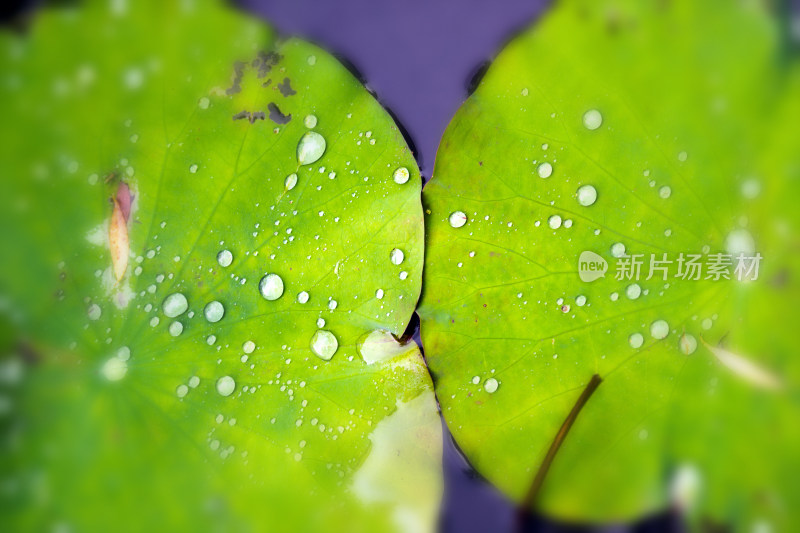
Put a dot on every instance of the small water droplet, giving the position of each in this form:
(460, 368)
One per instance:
(587, 195)
(554, 222)
(592, 119)
(457, 219)
(94, 312)
(175, 305)
(226, 385)
(271, 287)
(618, 249)
(302, 297)
(379, 294)
(248, 347)
(193, 169)
(324, 344)
(290, 182)
(659, 329)
(633, 291)
(194, 381)
(636, 340)
(176, 328)
(665, 191)
(211, 339)
(332, 304)
(203, 103)
(545, 170)
(682, 156)
(310, 121)
(397, 256)
(476, 380)
(312, 60)
(214, 311)
(490, 385)
(580, 300)
(310, 148)
(182, 391)
(320, 323)
(688, 344)
(401, 175)
(225, 258)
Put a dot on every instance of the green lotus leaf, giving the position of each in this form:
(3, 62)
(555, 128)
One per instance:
(203, 224)
(635, 132)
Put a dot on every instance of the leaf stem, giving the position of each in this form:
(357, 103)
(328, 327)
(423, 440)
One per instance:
(533, 492)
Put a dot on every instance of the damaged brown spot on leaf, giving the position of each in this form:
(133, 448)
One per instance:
(276, 116)
(118, 242)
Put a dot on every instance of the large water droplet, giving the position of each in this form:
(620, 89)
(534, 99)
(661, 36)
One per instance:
(290, 182)
(490, 385)
(587, 195)
(310, 148)
(633, 291)
(659, 329)
(401, 175)
(397, 256)
(457, 219)
(554, 222)
(225, 258)
(175, 305)
(592, 119)
(545, 170)
(248, 347)
(226, 385)
(214, 311)
(271, 287)
(324, 344)
(94, 312)
(114, 369)
(617, 249)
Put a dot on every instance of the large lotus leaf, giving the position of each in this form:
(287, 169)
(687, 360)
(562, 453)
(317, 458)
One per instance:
(624, 129)
(146, 150)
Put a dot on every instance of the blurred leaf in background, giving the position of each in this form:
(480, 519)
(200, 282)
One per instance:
(635, 131)
(211, 239)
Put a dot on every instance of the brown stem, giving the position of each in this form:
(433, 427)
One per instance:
(533, 492)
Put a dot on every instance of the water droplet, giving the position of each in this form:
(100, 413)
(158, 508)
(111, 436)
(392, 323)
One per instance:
(114, 369)
(194, 381)
(175, 329)
(324, 344)
(738, 242)
(665, 191)
(659, 329)
(633, 291)
(401, 175)
(248, 346)
(688, 344)
(682, 156)
(490, 385)
(397, 256)
(332, 304)
(310, 148)
(182, 391)
(225, 385)
(310, 121)
(592, 119)
(320, 323)
(587, 195)
(476, 380)
(379, 294)
(457, 219)
(554, 221)
(175, 305)
(580, 300)
(636, 340)
(214, 311)
(225, 258)
(617, 249)
(751, 188)
(94, 312)
(302, 297)
(290, 182)
(545, 170)
(211, 339)
(271, 287)
(193, 169)
(312, 60)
